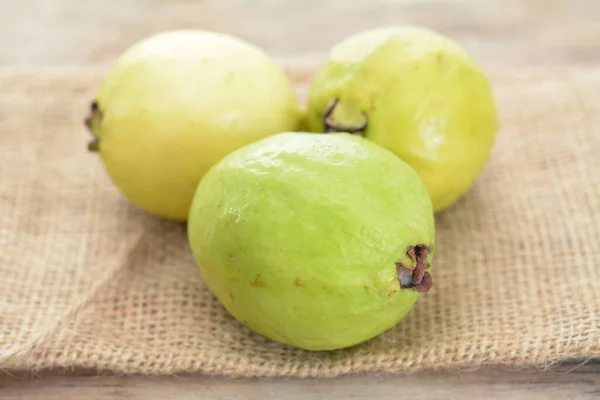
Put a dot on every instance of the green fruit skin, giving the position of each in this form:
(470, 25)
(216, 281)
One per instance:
(298, 236)
(176, 102)
(425, 99)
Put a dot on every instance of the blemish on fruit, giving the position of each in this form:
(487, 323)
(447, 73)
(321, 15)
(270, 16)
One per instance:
(257, 282)
(415, 276)
(231, 296)
(393, 292)
(367, 291)
(229, 78)
(441, 59)
(297, 282)
(231, 258)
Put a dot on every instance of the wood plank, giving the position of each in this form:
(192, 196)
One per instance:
(573, 381)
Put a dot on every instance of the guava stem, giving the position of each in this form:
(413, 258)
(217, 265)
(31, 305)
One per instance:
(92, 122)
(94, 145)
(421, 253)
(415, 276)
(333, 125)
(425, 284)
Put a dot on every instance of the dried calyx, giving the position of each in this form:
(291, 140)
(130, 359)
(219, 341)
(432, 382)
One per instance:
(338, 118)
(92, 122)
(415, 276)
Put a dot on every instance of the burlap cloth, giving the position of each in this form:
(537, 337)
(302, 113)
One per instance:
(87, 280)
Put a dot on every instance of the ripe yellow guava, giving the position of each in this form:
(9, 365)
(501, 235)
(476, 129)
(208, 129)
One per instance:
(416, 93)
(175, 103)
(317, 241)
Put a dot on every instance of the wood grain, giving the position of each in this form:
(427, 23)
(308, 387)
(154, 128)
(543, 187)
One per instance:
(571, 381)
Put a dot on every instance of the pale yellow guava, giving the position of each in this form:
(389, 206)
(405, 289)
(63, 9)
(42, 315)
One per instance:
(175, 103)
(416, 93)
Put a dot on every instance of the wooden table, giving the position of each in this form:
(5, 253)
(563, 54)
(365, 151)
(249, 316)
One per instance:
(501, 34)
(573, 382)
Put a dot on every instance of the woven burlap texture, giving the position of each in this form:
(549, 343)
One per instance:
(88, 280)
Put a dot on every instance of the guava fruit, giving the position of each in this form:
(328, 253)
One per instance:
(317, 241)
(176, 102)
(416, 93)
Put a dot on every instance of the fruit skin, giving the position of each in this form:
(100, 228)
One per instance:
(425, 99)
(298, 236)
(175, 103)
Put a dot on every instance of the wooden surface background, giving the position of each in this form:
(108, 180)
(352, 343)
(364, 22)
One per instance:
(573, 383)
(502, 35)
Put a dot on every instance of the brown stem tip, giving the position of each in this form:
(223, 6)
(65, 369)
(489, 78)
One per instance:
(333, 125)
(93, 113)
(415, 276)
(94, 145)
(91, 122)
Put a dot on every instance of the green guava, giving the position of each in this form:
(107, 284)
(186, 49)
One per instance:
(175, 103)
(416, 93)
(317, 241)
